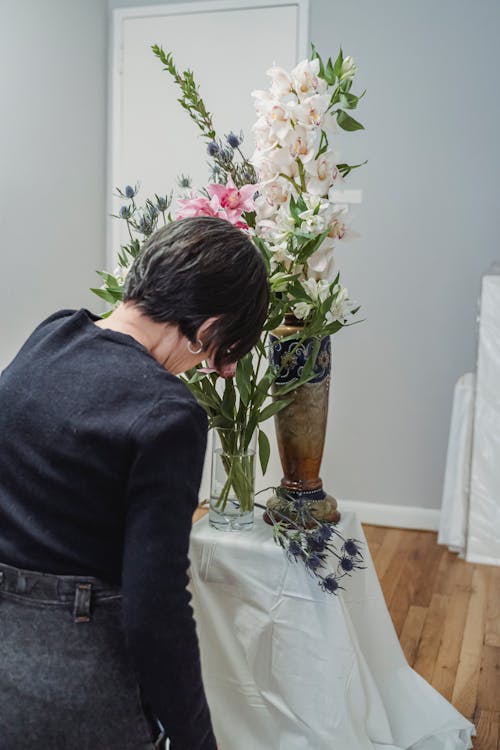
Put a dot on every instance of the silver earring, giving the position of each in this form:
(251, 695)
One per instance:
(195, 351)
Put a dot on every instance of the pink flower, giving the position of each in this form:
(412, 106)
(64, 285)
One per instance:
(232, 199)
(226, 371)
(199, 206)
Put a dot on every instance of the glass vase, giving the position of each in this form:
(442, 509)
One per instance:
(232, 487)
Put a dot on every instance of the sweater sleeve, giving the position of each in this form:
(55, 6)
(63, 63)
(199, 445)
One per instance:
(160, 628)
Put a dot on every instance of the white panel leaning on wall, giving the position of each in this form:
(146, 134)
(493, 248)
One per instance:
(470, 513)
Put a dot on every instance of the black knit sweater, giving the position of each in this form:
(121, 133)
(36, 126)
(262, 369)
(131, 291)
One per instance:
(101, 454)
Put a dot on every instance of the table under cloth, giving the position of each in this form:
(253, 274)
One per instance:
(287, 666)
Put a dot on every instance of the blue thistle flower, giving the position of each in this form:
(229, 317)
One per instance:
(125, 212)
(313, 562)
(346, 564)
(129, 191)
(295, 550)
(162, 202)
(315, 542)
(330, 584)
(233, 140)
(184, 181)
(325, 532)
(226, 155)
(351, 548)
(213, 148)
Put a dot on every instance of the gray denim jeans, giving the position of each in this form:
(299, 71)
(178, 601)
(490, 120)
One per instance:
(66, 682)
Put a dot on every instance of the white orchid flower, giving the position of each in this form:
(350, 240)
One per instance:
(263, 208)
(262, 99)
(264, 165)
(310, 112)
(302, 143)
(321, 262)
(277, 192)
(283, 162)
(265, 140)
(322, 173)
(306, 81)
(277, 116)
(281, 82)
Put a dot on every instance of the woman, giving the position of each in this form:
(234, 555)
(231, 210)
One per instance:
(101, 454)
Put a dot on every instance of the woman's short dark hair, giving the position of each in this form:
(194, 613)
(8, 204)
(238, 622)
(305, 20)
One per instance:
(196, 268)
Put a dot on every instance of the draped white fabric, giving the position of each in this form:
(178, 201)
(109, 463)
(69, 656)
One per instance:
(483, 538)
(455, 505)
(289, 667)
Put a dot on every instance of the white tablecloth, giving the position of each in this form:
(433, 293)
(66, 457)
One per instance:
(288, 667)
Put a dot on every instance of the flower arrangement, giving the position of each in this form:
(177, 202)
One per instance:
(284, 195)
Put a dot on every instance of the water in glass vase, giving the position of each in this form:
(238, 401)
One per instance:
(232, 488)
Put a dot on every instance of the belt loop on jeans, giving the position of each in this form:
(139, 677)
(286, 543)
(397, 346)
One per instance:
(81, 610)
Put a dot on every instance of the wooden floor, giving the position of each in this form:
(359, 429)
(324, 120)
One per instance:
(447, 616)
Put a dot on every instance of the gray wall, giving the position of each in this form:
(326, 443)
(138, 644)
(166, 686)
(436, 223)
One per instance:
(53, 83)
(428, 226)
(427, 223)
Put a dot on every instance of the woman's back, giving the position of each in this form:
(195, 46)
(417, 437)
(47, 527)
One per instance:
(69, 405)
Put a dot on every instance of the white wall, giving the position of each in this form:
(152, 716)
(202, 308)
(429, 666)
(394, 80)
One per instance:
(427, 223)
(53, 82)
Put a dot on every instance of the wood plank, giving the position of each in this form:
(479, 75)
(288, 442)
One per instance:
(464, 696)
(488, 694)
(492, 627)
(445, 670)
(392, 577)
(412, 632)
(388, 549)
(430, 564)
(374, 534)
(430, 640)
(453, 573)
(487, 730)
(404, 591)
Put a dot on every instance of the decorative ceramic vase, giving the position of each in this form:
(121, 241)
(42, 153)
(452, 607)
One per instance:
(301, 426)
(232, 487)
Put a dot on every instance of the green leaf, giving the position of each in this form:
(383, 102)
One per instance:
(264, 450)
(228, 400)
(273, 408)
(242, 381)
(349, 101)
(346, 122)
(315, 56)
(330, 75)
(344, 169)
(294, 212)
(105, 295)
(338, 64)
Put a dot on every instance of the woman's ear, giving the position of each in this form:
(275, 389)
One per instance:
(202, 330)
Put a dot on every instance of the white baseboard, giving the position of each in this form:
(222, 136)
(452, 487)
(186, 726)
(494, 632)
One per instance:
(398, 516)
